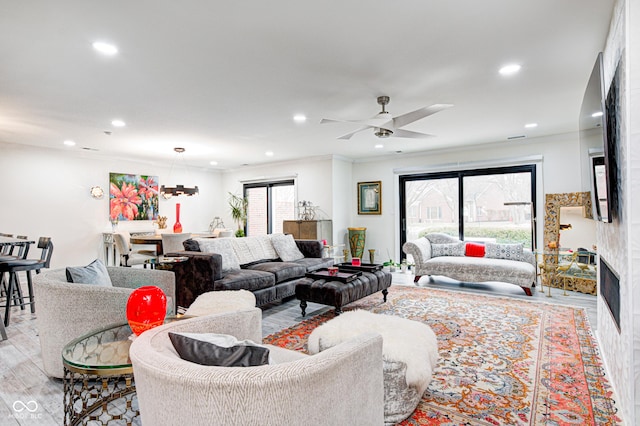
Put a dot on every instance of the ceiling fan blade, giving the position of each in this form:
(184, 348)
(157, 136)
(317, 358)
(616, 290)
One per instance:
(330, 120)
(371, 122)
(400, 133)
(410, 117)
(348, 135)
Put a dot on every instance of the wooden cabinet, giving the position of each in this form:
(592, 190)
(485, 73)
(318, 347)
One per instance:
(309, 229)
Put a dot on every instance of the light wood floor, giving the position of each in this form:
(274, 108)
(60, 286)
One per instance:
(22, 378)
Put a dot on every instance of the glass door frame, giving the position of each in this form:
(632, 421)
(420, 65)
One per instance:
(460, 174)
(268, 186)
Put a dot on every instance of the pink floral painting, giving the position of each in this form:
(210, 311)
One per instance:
(133, 197)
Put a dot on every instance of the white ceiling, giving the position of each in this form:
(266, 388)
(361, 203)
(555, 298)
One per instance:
(224, 79)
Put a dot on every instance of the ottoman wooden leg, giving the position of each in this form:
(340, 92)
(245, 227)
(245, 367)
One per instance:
(384, 295)
(303, 306)
(338, 310)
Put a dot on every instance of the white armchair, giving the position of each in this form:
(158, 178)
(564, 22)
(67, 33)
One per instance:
(173, 242)
(340, 386)
(128, 256)
(69, 310)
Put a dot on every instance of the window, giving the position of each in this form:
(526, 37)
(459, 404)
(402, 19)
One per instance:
(269, 203)
(432, 206)
(434, 213)
(470, 204)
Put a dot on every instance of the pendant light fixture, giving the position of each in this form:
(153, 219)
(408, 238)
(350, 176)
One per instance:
(169, 191)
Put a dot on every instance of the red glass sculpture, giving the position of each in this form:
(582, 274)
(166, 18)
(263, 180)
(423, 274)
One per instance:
(146, 308)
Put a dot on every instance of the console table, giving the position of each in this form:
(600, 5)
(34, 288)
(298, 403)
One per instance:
(109, 249)
(309, 229)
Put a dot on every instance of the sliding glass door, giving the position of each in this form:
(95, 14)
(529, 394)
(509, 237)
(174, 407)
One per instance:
(496, 209)
(431, 205)
(491, 205)
(269, 203)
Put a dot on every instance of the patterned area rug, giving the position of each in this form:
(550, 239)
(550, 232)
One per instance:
(502, 361)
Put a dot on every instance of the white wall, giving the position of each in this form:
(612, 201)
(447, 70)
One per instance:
(48, 195)
(557, 172)
(618, 241)
(313, 178)
(343, 192)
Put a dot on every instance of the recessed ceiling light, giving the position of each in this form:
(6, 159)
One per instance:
(213, 163)
(105, 48)
(118, 123)
(299, 118)
(69, 143)
(269, 153)
(379, 146)
(597, 114)
(510, 69)
(531, 125)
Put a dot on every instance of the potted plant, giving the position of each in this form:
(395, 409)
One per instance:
(238, 207)
(391, 265)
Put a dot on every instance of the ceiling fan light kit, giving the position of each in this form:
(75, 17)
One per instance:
(383, 133)
(385, 125)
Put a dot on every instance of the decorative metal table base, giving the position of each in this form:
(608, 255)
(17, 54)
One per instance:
(91, 399)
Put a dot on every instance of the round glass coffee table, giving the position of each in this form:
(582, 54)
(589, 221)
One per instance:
(98, 377)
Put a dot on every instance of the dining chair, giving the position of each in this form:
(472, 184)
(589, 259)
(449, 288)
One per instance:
(25, 265)
(128, 257)
(173, 242)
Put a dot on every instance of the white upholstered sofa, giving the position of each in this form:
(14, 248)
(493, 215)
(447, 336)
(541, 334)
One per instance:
(340, 386)
(441, 254)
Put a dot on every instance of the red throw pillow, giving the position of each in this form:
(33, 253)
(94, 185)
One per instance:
(474, 249)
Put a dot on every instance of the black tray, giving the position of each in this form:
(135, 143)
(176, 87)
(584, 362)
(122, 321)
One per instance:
(366, 267)
(323, 274)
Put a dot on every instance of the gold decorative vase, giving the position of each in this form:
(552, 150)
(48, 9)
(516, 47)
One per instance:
(356, 241)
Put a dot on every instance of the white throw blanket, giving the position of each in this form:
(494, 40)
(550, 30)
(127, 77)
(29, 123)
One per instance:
(404, 340)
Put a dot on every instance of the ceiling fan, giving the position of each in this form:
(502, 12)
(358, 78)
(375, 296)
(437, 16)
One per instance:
(387, 126)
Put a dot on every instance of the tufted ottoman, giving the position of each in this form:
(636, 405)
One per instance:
(409, 353)
(338, 294)
(216, 302)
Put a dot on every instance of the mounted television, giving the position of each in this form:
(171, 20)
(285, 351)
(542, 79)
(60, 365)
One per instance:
(598, 140)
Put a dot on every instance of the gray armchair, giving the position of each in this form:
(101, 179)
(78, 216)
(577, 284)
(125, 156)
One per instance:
(69, 310)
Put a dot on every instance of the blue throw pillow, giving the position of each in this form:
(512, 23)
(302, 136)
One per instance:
(94, 273)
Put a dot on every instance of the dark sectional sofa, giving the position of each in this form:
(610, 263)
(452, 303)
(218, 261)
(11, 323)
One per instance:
(267, 276)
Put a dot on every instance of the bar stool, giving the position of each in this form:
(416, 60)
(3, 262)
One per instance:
(25, 265)
(22, 253)
(3, 332)
(5, 250)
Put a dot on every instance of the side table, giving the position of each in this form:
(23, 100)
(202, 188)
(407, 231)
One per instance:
(98, 380)
(166, 263)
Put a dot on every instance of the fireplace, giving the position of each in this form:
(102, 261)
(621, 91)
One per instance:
(610, 290)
